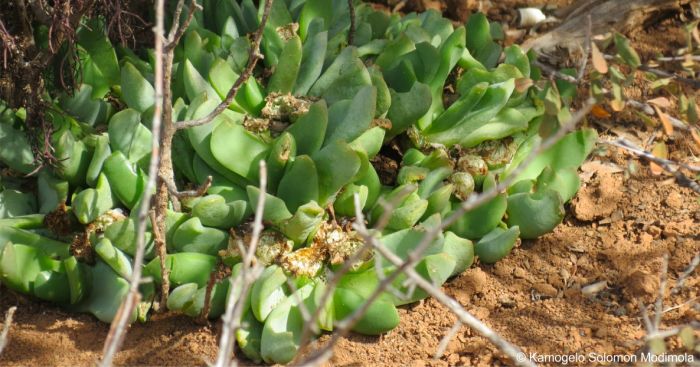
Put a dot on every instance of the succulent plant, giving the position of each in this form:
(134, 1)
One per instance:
(320, 121)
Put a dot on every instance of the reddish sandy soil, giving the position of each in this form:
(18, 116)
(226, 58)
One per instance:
(616, 230)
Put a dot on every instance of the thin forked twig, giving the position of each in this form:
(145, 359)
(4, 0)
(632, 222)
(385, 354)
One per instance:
(248, 273)
(665, 164)
(176, 32)
(659, 305)
(442, 347)
(121, 319)
(199, 191)
(653, 326)
(253, 58)
(587, 51)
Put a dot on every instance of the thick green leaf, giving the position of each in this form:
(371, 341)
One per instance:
(309, 130)
(123, 236)
(304, 223)
(192, 236)
(115, 258)
(267, 292)
(496, 244)
(406, 108)
(46, 245)
(102, 151)
(105, 300)
(185, 267)
(15, 150)
(283, 149)
(350, 121)
(90, 203)
(315, 9)
(102, 59)
(73, 156)
(15, 203)
(21, 264)
(381, 316)
(137, 92)
(195, 84)
(569, 152)
(214, 211)
(332, 175)
(463, 124)
(238, 149)
(537, 213)
(283, 328)
(128, 136)
(285, 75)
(300, 183)
(313, 55)
(126, 183)
(275, 209)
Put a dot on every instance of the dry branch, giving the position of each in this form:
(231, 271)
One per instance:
(604, 14)
(250, 270)
(351, 32)
(253, 58)
(6, 327)
(667, 165)
(121, 320)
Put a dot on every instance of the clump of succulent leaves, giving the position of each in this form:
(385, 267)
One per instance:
(460, 110)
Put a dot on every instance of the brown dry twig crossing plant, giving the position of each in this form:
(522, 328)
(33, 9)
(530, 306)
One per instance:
(161, 167)
(121, 320)
(241, 284)
(253, 58)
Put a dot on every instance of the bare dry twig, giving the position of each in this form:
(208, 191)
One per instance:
(117, 330)
(6, 327)
(199, 191)
(253, 58)
(250, 270)
(664, 74)
(351, 32)
(667, 165)
(177, 32)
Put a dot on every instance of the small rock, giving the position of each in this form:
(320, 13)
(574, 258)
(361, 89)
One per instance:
(674, 200)
(601, 332)
(453, 359)
(506, 301)
(519, 273)
(654, 231)
(640, 284)
(545, 289)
